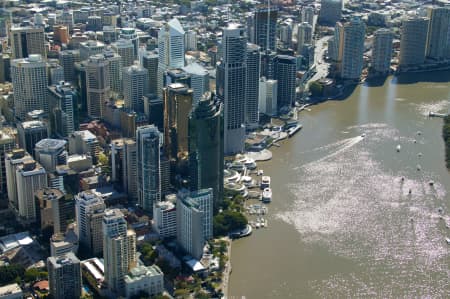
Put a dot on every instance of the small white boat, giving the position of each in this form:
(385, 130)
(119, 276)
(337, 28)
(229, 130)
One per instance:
(257, 224)
(419, 168)
(419, 133)
(419, 155)
(265, 182)
(260, 172)
(363, 135)
(415, 141)
(267, 195)
(447, 240)
(398, 148)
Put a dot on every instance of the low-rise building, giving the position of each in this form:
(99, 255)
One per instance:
(165, 219)
(144, 279)
(11, 291)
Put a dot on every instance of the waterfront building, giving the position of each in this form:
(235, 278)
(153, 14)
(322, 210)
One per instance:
(252, 87)
(26, 41)
(89, 211)
(268, 89)
(97, 84)
(89, 48)
(63, 106)
(265, 28)
(285, 69)
(231, 86)
(29, 79)
(135, 86)
(7, 144)
(165, 219)
(304, 36)
(194, 221)
(382, 50)
(171, 49)
(438, 43)
(30, 133)
(330, 12)
(64, 276)
(199, 80)
(150, 63)
(125, 49)
(148, 165)
(413, 41)
(119, 250)
(206, 147)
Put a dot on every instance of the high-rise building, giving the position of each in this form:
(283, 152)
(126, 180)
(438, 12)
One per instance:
(131, 35)
(307, 15)
(148, 165)
(413, 41)
(84, 143)
(64, 276)
(51, 153)
(438, 46)
(267, 66)
(170, 49)
(330, 12)
(252, 87)
(154, 110)
(12, 160)
(285, 35)
(350, 48)
(150, 62)
(231, 86)
(115, 70)
(135, 86)
(63, 103)
(285, 69)
(53, 209)
(30, 133)
(109, 34)
(98, 85)
(190, 40)
(26, 41)
(90, 48)
(206, 147)
(165, 219)
(61, 34)
(199, 80)
(89, 211)
(119, 250)
(30, 177)
(382, 50)
(29, 78)
(125, 49)
(124, 165)
(194, 221)
(178, 100)
(67, 60)
(7, 144)
(66, 18)
(265, 28)
(304, 36)
(268, 89)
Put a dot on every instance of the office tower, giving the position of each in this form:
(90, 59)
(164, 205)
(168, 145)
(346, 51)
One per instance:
(170, 50)
(268, 100)
(149, 280)
(55, 72)
(263, 18)
(51, 210)
(154, 110)
(413, 40)
(63, 103)
(29, 78)
(285, 35)
(7, 144)
(307, 15)
(382, 50)
(252, 87)
(30, 132)
(267, 67)
(67, 60)
(94, 23)
(206, 147)
(115, 70)
(109, 34)
(135, 86)
(190, 40)
(165, 219)
(194, 221)
(231, 86)
(304, 36)
(64, 276)
(176, 76)
(199, 78)
(150, 62)
(124, 165)
(178, 100)
(98, 88)
(89, 211)
(90, 48)
(130, 35)
(61, 34)
(330, 12)
(125, 49)
(148, 165)
(66, 18)
(26, 41)
(30, 177)
(350, 48)
(119, 249)
(12, 160)
(84, 143)
(285, 73)
(438, 47)
(51, 153)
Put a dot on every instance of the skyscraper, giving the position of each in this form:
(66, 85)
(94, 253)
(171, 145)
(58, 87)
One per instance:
(304, 36)
(231, 86)
(64, 276)
(125, 49)
(90, 48)
(26, 41)
(263, 18)
(285, 68)
(307, 15)
(330, 12)
(199, 80)
(382, 50)
(438, 46)
(115, 70)
(131, 35)
(7, 144)
(119, 249)
(135, 86)
(170, 49)
(12, 160)
(89, 211)
(148, 164)
(268, 96)
(98, 88)
(252, 87)
(63, 103)
(206, 147)
(413, 41)
(30, 132)
(351, 48)
(29, 78)
(150, 62)
(67, 60)
(51, 153)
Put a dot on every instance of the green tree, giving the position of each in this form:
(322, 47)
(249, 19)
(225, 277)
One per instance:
(316, 89)
(11, 273)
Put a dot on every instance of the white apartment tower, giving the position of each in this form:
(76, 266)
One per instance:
(382, 50)
(413, 41)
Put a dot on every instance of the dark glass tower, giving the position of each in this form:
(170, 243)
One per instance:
(265, 17)
(285, 72)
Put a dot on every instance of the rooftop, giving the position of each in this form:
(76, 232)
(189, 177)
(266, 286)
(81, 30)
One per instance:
(51, 144)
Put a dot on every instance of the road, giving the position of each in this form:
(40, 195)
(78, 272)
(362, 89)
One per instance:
(321, 65)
